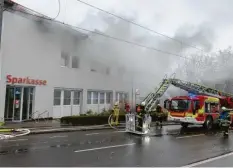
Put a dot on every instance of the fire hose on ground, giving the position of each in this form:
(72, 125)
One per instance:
(6, 133)
(110, 121)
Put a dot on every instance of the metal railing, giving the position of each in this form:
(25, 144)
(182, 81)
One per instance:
(39, 116)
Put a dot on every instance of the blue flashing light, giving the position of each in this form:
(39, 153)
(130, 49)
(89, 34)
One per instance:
(192, 95)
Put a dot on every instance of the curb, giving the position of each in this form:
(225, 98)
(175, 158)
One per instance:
(69, 130)
(59, 130)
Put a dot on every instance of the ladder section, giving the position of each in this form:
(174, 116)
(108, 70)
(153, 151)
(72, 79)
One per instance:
(152, 98)
(198, 89)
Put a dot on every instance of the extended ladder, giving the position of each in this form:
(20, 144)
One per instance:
(152, 98)
(198, 89)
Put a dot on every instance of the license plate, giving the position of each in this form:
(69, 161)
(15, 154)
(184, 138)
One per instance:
(177, 119)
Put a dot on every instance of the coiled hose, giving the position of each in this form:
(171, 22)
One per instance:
(23, 133)
(109, 122)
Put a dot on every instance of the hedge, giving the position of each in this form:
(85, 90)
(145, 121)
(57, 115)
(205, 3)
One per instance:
(94, 119)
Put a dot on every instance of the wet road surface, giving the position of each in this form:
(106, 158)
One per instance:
(171, 147)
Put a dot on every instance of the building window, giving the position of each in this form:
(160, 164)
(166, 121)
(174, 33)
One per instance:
(99, 97)
(65, 59)
(102, 98)
(75, 62)
(76, 97)
(57, 97)
(117, 97)
(108, 97)
(126, 97)
(95, 98)
(67, 97)
(89, 97)
(121, 99)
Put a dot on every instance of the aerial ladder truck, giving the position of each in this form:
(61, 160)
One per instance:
(200, 107)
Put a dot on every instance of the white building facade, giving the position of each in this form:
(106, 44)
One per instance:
(42, 69)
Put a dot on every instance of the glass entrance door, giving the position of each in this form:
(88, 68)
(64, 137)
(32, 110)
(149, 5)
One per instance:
(27, 102)
(18, 103)
(9, 103)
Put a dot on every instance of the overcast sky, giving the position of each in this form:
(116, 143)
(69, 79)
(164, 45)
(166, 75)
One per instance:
(164, 16)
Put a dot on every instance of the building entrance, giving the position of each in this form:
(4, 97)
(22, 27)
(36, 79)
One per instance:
(19, 102)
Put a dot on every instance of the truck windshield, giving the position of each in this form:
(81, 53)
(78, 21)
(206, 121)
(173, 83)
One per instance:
(180, 105)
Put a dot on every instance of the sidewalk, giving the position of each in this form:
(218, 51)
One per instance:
(54, 127)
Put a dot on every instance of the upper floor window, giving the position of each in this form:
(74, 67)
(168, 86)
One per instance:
(65, 59)
(75, 62)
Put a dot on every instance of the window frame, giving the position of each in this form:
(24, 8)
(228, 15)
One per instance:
(65, 58)
(89, 99)
(65, 98)
(76, 98)
(96, 98)
(102, 102)
(110, 97)
(72, 62)
(57, 98)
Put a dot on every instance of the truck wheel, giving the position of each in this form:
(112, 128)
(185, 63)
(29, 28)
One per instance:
(208, 123)
(184, 125)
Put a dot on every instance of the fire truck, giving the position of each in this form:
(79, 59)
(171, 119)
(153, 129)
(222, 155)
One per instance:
(200, 107)
(195, 109)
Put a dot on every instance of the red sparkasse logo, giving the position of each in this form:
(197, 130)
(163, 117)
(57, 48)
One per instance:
(26, 80)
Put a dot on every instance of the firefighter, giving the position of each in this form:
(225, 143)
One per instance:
(141, 116)
(225, 121)
(158, 114)
(116, 111)
(127, 107)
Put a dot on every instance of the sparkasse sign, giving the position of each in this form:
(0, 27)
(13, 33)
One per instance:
(26, 80)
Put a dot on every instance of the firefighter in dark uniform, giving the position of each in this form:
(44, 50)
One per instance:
(225, 121)
(159, 116)
(140, 117)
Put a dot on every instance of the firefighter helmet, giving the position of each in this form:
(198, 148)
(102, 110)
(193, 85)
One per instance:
(143, 103)
(224, 108)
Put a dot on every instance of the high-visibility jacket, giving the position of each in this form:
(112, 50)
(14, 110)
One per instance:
(116, 110)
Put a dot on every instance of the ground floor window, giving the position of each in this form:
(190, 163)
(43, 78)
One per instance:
(67, 102)
(57, 97)
(76, 97)
(66, 97)
(99, 97)
(121, 97)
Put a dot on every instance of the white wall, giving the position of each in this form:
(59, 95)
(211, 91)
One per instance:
(32, 47)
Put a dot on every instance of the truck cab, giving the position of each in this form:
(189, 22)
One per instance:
(193, 109)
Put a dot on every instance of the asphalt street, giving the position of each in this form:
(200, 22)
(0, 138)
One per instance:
(171, 147)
